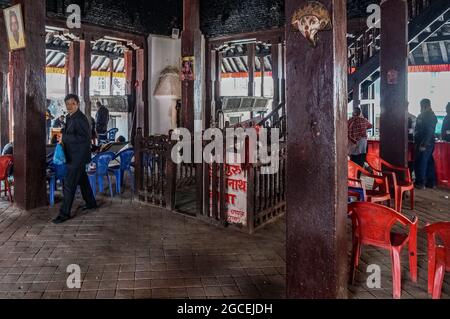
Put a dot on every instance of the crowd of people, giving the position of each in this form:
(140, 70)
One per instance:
(421, 132)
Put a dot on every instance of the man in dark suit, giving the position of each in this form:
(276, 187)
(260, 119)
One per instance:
(101, 119)
(76, 139)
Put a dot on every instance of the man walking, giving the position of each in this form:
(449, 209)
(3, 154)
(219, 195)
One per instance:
(424, 146)
(76, 139)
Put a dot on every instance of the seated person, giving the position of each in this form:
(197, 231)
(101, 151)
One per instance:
(60, 122)
(54, 140)
(8, 149)
(120, 142)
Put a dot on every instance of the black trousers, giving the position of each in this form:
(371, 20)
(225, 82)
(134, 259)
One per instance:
(76, 176)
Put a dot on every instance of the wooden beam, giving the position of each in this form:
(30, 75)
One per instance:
(316, 221)
(27, 68)
(394, 82)
(251, 68)
(85, 75)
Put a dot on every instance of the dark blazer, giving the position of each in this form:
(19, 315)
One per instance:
(102, 119)
(77, 139)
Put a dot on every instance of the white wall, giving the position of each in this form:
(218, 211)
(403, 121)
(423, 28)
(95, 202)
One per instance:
(164, 51)
(56, 85)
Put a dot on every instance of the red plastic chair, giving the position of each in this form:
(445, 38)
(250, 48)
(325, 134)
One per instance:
(5, 163)
(372, 225)
(380, 190)
(401, 185)
(356, 190)
(438, 256)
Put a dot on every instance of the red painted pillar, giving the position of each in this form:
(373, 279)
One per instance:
(316, 222)
(394, 82)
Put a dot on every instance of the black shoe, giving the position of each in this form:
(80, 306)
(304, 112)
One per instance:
(89, 207)
(418, 186)
(60, 219)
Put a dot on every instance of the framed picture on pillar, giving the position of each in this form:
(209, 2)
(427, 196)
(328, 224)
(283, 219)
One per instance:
(187, 69)
(14, 27)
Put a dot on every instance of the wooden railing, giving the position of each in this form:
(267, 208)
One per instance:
(266, 198)
(158, 179)
(367, 43)
(153, 170)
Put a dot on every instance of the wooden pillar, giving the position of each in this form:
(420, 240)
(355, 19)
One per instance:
(130, 92)
(209, 94)
(111, 76)
(27, 69)
(191, 39)
(85, 75)
(251, 69)
(4, 112)
(394, 82)
(217, 83)
(262, 69)
(142, 119)
(275, 75)
(73, 67)
(316, 222)
(356, 96)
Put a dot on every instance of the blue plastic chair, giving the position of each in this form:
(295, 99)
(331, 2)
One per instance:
(125, 156)
(57, 173)
(101, 162)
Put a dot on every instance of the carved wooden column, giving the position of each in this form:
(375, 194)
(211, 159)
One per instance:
(27, 69)
(85, 74)
(4, 105)
(394, 82)
(316, 257)
(73, 68)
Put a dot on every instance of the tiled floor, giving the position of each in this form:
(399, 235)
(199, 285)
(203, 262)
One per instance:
(127, 250)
